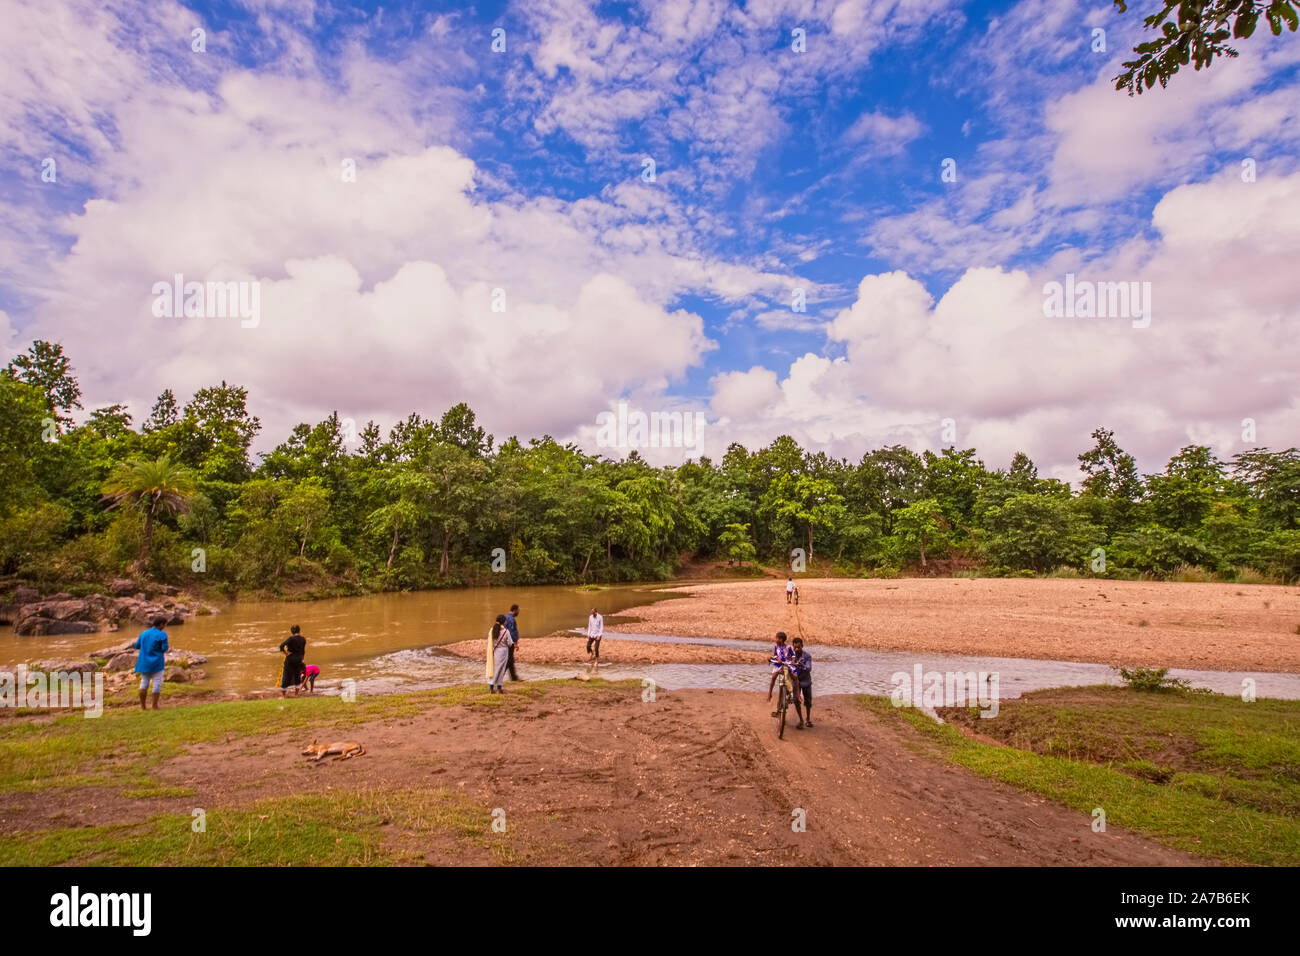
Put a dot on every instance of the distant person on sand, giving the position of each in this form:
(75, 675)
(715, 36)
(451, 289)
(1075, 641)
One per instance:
(789, 589)
(309, 676)
(499, 643)
(512, 625)
(780, 651)
(801, 664)
(152, 644)
(595, 629)
(294, 647)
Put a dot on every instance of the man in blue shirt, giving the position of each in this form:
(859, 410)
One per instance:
(801, 666)
(152, 644)
(513, 627)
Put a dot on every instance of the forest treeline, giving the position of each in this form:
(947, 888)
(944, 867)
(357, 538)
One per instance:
(438, 503)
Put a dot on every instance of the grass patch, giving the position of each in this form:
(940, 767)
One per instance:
(1205, 773)
(368, 827)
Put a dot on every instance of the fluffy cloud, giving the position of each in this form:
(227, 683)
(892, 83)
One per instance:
(878, 134)
(1218, 349)
(376, 295)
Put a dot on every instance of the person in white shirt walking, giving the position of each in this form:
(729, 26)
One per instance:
(595, 630)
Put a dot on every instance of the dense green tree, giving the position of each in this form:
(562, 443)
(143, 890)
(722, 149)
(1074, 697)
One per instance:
(22, 408)
(736, 544)
(437, 503)
(922, 529)
(1274, 480)
(1181, 498)
(1037, 532)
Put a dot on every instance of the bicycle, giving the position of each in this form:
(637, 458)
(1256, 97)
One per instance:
(785, 694)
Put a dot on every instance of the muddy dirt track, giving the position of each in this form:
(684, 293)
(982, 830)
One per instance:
(599, 776)
(1156, 624)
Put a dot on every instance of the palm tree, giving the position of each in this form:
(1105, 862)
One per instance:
(157, 488)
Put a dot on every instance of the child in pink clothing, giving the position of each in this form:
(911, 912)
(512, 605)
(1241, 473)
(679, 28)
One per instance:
(309, 678)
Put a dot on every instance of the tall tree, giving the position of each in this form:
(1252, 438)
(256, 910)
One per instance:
(163, 414)
(1111, 472)
(46, 367)
(457, 427)
(218, 430)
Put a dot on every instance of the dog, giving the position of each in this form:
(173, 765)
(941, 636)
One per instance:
(319, 752)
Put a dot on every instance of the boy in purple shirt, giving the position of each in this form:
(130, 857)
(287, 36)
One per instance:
(780, 651)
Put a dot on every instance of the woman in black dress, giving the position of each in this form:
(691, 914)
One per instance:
(294, 648)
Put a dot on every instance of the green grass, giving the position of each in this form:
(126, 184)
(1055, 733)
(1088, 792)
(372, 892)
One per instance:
(367, 827)
(1204, 773)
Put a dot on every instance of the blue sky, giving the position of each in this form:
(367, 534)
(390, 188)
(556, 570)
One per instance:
(775, 170)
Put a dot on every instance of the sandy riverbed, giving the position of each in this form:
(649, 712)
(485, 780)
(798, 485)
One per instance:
(1155, 624)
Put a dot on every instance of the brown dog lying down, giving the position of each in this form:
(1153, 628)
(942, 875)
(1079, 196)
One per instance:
(345, 750)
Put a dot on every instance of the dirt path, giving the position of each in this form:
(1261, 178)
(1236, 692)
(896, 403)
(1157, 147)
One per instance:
(599, 776)
(1156, 624)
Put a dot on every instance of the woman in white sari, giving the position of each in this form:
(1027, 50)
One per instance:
(498, 655)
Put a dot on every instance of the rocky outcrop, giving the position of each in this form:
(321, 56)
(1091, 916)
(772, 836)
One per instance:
(55, 617)
(64, 614)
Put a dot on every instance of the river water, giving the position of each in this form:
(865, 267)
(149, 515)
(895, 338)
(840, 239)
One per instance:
(369, 639)
(391, 642)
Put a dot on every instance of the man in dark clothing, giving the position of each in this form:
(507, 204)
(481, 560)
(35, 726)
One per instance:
(801, 665)
(294, 648)
(513, 627)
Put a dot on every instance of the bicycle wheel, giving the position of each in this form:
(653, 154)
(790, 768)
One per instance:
(782, 702)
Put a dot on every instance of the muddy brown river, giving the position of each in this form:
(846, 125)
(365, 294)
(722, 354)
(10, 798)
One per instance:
(374, 639)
